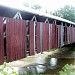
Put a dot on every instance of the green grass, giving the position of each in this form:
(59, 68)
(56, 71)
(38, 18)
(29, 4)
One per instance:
(72, 49)
(66, 70)
(5, 70)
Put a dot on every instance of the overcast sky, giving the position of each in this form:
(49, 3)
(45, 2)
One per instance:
(50, 5)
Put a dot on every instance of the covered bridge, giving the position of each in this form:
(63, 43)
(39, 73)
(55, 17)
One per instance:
(26, 32)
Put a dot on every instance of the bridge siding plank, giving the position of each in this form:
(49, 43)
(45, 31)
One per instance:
(31, 38)
(38, 37)
(45, 34)
(15, 39)
(1, 41)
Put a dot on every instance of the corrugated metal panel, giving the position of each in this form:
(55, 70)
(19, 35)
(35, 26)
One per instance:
(31, 38)
(38, 37)
(45, 38)
(1, 42)
(16, 39)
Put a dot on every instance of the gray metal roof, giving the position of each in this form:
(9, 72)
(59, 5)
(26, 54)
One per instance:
(23, 8)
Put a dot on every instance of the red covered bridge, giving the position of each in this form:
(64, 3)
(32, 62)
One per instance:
(25, 33)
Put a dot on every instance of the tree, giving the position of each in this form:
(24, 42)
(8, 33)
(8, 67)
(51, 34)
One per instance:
(36, 7)
(33, 6)
(67, 12)
(26, 4)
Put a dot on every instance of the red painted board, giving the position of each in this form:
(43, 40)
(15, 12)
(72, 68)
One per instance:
(56, 36)
(53, 36)
(74, 34)
(1, 41)
(71, 34)
(38, 37)
(31, 38)
(20, 39)
(16, 39)
(59, 33)
(45, 36)
(68, 35)
(50, 36)
(47, 32)
(65, 35)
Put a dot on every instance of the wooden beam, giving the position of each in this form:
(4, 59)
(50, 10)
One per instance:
(18, 16)
(46, 21)
(34, 18)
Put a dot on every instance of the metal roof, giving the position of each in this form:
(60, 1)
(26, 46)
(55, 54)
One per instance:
(24, 9)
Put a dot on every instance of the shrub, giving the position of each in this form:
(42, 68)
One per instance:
(5, 70)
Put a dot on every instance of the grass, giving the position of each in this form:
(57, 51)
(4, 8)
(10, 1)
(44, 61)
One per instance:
(66, 70)
(72, 48)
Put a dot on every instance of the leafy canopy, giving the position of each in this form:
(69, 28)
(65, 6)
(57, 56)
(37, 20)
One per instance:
(67, 12)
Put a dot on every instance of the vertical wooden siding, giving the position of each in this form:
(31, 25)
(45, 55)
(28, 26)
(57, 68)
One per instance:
(49, 36)
(72, 34)
(53, 36)
(38, 37)
(65, 35)
(56, 36)
(59, 36)
(45, 36)
(15, 39)
(31, 38)
(68, 35)
(1, 42)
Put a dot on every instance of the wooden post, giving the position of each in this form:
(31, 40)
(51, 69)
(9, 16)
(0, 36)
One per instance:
(61, 34)
(35, 20)
(18, 16)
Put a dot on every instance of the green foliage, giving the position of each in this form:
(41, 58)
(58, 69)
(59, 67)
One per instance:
(67, 70)
(36, 7)
(67, 12)
(72, 48)
(5, 70)
(32, 5)
(26, 4)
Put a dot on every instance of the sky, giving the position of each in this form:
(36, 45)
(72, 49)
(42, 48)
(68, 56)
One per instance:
(50, 5)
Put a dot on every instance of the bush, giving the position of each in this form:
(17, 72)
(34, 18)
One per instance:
(5, 70)
(67, 70)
